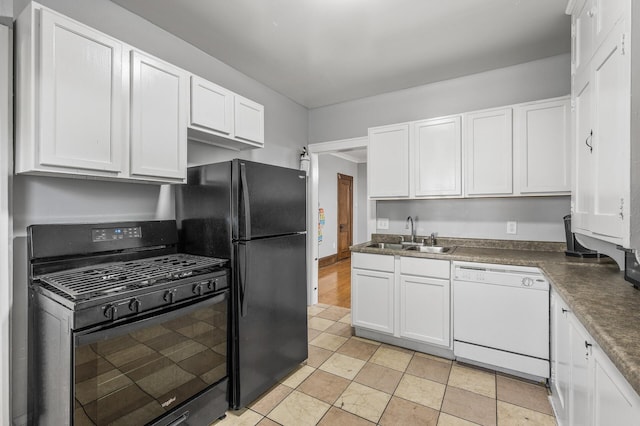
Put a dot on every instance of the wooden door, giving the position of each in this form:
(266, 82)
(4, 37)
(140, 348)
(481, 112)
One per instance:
(345, 215)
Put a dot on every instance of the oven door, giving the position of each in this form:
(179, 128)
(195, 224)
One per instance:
(137, 371)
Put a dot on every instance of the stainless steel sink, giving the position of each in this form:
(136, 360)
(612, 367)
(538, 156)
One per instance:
(391, 246)
(429, 249)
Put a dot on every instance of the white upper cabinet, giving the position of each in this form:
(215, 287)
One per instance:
(388, 161)
(158, 118)
(606, 14)
(71, 97)
(542, 148)
(582, 35)
(583, 170)
(489, 152)
(437, 157)
(223, 118)
(211, 107)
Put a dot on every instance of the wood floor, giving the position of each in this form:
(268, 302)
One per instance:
(334, 284)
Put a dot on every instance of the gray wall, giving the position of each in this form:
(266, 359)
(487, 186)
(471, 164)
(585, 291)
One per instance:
(49, 200)
(361, 236)
(540, 79)
(538, 219)
(328, 168)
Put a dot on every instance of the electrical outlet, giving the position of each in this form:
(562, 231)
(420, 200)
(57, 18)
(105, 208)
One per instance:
(512, 227)
(383, 223)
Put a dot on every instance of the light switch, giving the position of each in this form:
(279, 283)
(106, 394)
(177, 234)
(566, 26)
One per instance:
(383, 223)
(512, 227)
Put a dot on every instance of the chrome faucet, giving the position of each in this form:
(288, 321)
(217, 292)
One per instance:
(406, 226)
(434, 242)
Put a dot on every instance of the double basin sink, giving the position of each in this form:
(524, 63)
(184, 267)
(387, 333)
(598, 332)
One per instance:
(412, 247)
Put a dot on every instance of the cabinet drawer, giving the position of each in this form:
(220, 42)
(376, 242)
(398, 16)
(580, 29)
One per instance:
(425, 267)
(375, 262)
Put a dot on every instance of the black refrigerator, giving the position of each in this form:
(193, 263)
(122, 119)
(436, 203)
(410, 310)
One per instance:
(255, 215)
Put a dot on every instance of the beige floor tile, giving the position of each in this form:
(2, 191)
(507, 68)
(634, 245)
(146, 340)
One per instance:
(298, 376)
(314, 310)
(333, 313)
(523, 394)
(428, 368)
(323, 305)
(357, 348)
(474, 380)
(328, 341)
(421, 391)
(317, 356)
(244, 417)
(399, 349)
(324, 386)
(320, 324)
(270, 399)
(340, 329)
(312, 334)
(343, 366)
(469, 406)
(346, 319)
(512, 415)
(267, 422)
(338, 417)
(299, 409)
(363, 401)
(402, 412)
(433, 357)
(392, 358)
(378, 377)
(449, 420)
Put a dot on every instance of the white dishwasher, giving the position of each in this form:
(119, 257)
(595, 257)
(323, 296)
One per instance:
(501, 318)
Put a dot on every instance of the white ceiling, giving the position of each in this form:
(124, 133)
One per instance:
(320, 52)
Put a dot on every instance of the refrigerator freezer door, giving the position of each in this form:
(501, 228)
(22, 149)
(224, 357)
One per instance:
(271, 200)
(270, 300)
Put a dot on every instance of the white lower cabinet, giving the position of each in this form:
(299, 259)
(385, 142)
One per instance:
(372, 290)
(406, 298)
(586, 388)
(425, 303)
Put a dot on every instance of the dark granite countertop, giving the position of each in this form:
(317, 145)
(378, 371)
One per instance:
(595, 289)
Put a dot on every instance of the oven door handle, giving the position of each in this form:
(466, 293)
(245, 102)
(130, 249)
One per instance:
(243, 260)
(97, 334)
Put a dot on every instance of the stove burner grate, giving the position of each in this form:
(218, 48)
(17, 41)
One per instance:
(96, 280)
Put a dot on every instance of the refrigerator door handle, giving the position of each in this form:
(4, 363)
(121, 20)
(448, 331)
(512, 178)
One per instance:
(245, 199)
(243, 260)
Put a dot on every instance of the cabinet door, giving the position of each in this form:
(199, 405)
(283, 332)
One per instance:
(372, 300)
(249, 120)
(542, 147)
(582, 29)
(580, 412)
(584, 178)
(437, 157)
(388, 161)
(605, 14)
(488, 146)
(614, 401)
(560, 358)
(424, 310)
(611, 133)
(211, 107)
(158, 119)
(82, 103)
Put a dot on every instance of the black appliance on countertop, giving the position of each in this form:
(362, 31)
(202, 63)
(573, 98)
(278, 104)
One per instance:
(123, 329)
(574, 248)
(255, 215)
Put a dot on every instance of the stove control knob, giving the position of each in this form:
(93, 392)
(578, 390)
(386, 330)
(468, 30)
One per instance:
(111, 312)
(211, 284)
(170, 295)
(199, 288)
(135, 305)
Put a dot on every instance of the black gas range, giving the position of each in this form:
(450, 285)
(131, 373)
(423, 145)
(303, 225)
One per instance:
(123, 328)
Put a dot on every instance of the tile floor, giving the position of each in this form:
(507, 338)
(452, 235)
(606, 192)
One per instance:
(352, 381)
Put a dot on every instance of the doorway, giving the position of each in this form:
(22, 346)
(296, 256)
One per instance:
(345, 216)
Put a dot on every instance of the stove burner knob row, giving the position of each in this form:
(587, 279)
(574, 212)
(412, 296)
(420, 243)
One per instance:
(170, 295)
